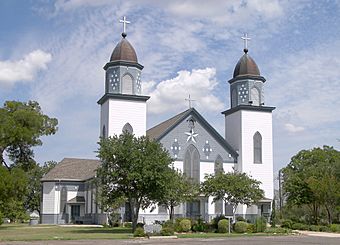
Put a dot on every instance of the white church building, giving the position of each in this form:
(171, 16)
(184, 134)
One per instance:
(69, 196)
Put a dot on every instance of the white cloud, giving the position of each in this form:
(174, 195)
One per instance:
(293, 129)
(169, 95)
(25, 69)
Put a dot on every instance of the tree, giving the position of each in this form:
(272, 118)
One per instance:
(233, 188)
(135, 169)
(33, 197)
(312, 178)
(13, 189)
(178, 190)
(21, 126)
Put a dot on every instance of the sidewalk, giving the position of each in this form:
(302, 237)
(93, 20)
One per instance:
(319, 234)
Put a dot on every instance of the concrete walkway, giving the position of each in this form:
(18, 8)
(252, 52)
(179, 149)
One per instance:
(319, 234)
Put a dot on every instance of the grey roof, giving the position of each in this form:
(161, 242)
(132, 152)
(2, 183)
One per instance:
(157, 131)
(160, 130)
(73, 169)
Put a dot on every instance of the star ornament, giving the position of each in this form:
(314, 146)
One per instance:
(191, 136)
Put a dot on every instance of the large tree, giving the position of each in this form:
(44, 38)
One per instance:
(21, 126)
(233, 187)
(178, 190)
(135, 169)
(312, 178)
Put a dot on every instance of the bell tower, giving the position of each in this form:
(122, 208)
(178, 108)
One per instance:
(248, 123)
(123, 107)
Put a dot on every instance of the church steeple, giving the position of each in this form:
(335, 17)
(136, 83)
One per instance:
(246, 86)
(123, 72)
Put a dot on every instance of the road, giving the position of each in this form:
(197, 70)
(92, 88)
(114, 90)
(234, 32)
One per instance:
(270, 240)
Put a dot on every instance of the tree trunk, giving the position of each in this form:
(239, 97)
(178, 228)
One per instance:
(171, 213)
(329, 214)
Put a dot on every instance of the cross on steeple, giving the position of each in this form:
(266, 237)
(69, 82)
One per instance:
(190, 100)
(124, 21)
(245, 39)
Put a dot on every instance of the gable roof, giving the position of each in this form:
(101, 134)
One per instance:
(73, 169)
(159, 131)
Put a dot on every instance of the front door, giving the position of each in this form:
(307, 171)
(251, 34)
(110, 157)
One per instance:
(193, 209)
(75, 212)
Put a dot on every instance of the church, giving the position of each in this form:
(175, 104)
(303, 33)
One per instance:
(69, 195)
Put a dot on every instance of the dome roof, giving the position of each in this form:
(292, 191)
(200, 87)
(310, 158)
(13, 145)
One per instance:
(124, 51)
(246, 66)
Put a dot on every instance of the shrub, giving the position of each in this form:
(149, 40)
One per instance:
(198, 226)
(240, 218)
(139, 232)
(251, 228)
(217, 219)
(128, 224)
(167, 231)
(241, 227)
(141, 225)
(335, 227)
(177, 225)
(314, 228)
(168, 223)
(1, 218)
(185, 225)
(223, 226)
(297, 226)
(324, 228)
(287, 224)
(209, 227)
(278, 230)
(260, 224)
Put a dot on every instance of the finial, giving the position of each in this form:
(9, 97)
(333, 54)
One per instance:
(124, 21)
(245, 39)
(189, 100)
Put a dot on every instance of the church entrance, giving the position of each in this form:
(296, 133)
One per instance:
(75, 213)
(193, 209)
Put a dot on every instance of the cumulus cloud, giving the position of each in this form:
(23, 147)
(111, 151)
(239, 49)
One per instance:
(169, 95)
(291, 128)
(25, 69)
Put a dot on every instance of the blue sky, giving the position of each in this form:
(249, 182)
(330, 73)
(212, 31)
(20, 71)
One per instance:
(54, 51)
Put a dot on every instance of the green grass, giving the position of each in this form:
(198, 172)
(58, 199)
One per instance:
(24, 232)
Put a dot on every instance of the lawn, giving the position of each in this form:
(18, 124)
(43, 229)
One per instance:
(24, 232)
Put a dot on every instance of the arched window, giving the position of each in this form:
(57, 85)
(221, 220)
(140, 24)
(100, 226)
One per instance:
(218, 168)
(127, 84)
(192, 163)
(255, 96)
(63, 200)
(104, 132)
(127, 128)
(233, 98)
(257, 140)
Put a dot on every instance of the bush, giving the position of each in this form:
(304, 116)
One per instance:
(128, 224)
(209, 227)
(241, 227)
(167, 231)
(260, 224)
(141, 225)
(251, 228)
(216, 220)
(1, 218)
(287, 224)
(279, 230)
(314, 228)
(177, 225)
(185, 225)
(168, 223)
(139, 232)
(324, 228)
(297, 226)
(240, 218)
(223, 226)
(335, 227)
(198, 226)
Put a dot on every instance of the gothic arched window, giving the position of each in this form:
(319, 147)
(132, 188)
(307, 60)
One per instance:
(255, 96)
(257, 140)
(63, 200)
(192, 163)
(127, 84)
(218, 168)
(233, 98)
(127, 128)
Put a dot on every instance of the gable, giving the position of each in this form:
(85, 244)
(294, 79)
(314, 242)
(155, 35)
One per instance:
(176, 138)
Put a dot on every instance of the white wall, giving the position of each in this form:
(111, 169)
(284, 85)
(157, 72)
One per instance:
(50, 198)
(116, 113)
(233, 133)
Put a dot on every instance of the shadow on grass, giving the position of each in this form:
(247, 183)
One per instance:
(104, 231)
